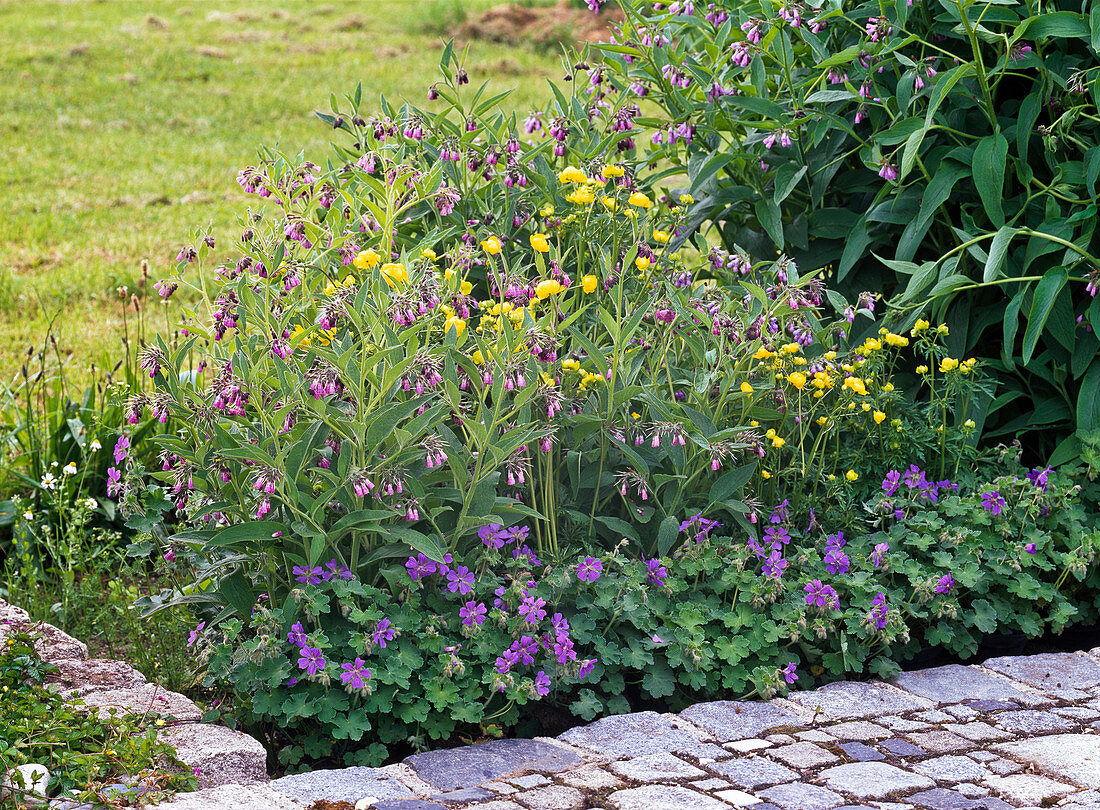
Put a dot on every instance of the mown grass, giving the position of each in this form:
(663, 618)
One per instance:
(123, 124)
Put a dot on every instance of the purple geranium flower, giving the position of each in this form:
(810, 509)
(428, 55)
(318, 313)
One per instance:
(297, 635)
(121, 448)
(335, 569)
(532, 610)
(993, 503)
(789, 675)
(473, 613)
(355, 674)
(836, 561)
(1039, 477)
(307, 575)
(310, 660)
(891, 482)
(835, 540)
(776, 537)
(1031, 548)
(821, 595)
(946, 583)
(655, 572)
(542, 683)
(589, 569)
(493, 535)
(461, 580)
(878, 553)
(193, 636)
(879, 611)
(420, 567)
(383, 633)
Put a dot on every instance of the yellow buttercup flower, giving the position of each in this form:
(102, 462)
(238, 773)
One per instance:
(778, 441)
(477, 357)
(429, 254)
(797, 379)
(546, 210)
(852, 475)
(686, 199)
(581, 196)
(588, 284)
(754, 423)
(571, 174)
(611, 171)
(888, 387)
(492, 246)
(465, 288)
(455, 323)
(367, 259)
(539, 243)
(660, 236)
(609, 203)
(765, 474)
(948, 364)
(571, 365)
(639, 200)
(763, 354)
(878, 416)
(823, 420)
(922, 369)
(544, 289)
(855, 384)
(746, 388)
(392, 272)
(642, 263)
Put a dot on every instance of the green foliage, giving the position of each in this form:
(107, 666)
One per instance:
(82, 752)
(943, 154)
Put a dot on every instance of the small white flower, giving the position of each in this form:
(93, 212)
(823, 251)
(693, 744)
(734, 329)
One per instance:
(28, 515)
(70, 468)
(53, 463)
(49, 481)
(95, 445)
(91, 503)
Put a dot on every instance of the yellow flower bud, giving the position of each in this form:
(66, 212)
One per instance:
(660, 236)
(492, 246)
(639, 200)
(878, 417)
(589, 283)
(367, 259)
(547, 287)
(539, 243)
(852, 475)
(642, 263)
(571, 174)
(746, 388)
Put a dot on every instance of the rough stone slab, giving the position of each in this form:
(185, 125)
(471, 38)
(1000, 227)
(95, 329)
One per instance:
(956, 683)
(850, 699)
(1003, 767)
(656, 768)
(1059, 674)
(592, 777)
(951, 768)
(532, 780)
(554, 797)
(79, 676)
(631, 735)
(1029, 788)
(901, 748)
(861, 752)
(221, 755)
(474, 764)
(1073, 757)
(146, 698)
(753, 772)
(730, 720)
(977, 731)
(11, 614)
(940, 741)
(413, 804)
(53, 645)
(943, 799)
(748, 746)
(738, 798)
(343, 785)
(463, 795)
(804, 755)
(872, 780)
(859, 730)
(664, 797)
(1031, 721)
(802, 796)
(234, 797)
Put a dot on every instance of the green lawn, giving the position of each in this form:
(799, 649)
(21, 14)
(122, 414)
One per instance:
(123, 124)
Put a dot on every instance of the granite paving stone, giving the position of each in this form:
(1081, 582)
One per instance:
(495, 805)
(848, 700)
(960, 712)
(738, 798)
(711, 784)
(944, 799)
(631, 735)
(901, 748)
(956, 683)
(804, 755)
(704, 752)
(456, 768)
(408, 804)
(802, 796)
(664, 797)
(904, 724)
(342, 785)
(655, 768)
(730, 720)
(463, 795)
(814, 735)
(940, 741)
(1072, 757)
(780, 739)
(1028, 788)
(592, 777)
(754, 772)
(532, 780)
(992, 705)
(977, 731)
(747, 746)
(1078, 712)
(859, 730)
(934, 716)
(861, 752)
(951, 768)
(1060, 674)
(872, 780)
(970, 790)
(552, 797)
(1003, 767)
(1030, 721)
(982, 756)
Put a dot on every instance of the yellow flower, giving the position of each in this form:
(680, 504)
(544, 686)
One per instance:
(393, 272)
(465, 288)
(763, 354)
(642, 263)
(611, 171)
(896, 340)
(609, 203)
(639, 200)
(855, 384)
(491, 246)
(948, 364)
(798, 379)
(888, 387)
(969, 424)
(942, 329)
(455, 323)
(866, 406)
(765, 474)
(778, 442)
(922, 369)
(429, 254)
(790, 348)
(746, 388)
(547, 210)
(477, 357)
(588, 284)
(852, 475)
(770, 434)
(581, 196)
(830, 355)
(686, 199)
(571, 365)
(878, 416)
(920, 326)
(630, 213)
(547, 287)
(571, 174)
(823, 420)
(367, 259)
(871, 345)
(539, 243)
(660, 236)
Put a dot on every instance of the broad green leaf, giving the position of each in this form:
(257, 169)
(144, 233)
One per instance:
(1088, 399)
(989, 175)
(1061, 24)
(666, 535)
(1046, 291)
(786, 179)
(767, 211)
(998, 250)
(252, 532)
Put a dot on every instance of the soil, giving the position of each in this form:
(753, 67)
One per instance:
(547, 27)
